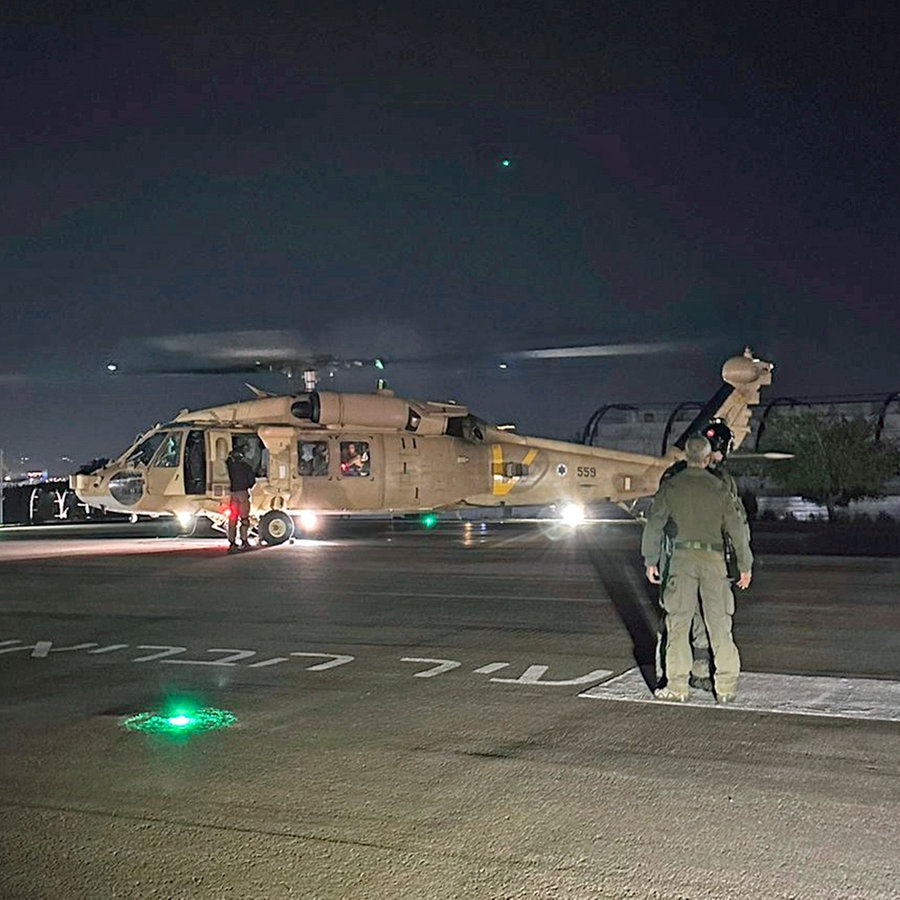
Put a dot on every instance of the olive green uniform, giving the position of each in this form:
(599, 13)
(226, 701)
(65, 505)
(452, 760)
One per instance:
(700, 506)
(699, 637)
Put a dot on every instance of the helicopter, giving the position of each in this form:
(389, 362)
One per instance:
(317, 453)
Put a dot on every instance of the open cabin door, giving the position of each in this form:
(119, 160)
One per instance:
(218, 446)
(278, 441)
(195, 463)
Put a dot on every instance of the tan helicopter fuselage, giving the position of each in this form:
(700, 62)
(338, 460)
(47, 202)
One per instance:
(407, 471)
(418, 456)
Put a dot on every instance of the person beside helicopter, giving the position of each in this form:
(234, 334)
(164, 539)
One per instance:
(720, 438)
(700, 507)
(241, 479)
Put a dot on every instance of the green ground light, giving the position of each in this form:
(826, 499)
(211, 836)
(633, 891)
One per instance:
(180, 721)
(428, 520)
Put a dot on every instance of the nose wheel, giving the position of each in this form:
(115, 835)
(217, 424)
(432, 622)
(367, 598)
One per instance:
(275, 527)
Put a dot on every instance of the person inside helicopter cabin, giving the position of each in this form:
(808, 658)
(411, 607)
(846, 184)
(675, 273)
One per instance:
(241, 479)
(354, 458)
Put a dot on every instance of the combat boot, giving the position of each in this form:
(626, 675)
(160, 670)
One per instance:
(672, 696)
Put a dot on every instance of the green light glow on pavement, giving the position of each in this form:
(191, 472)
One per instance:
(180, 721)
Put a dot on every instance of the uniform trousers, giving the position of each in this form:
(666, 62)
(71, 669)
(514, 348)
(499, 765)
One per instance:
(240, 510)
(699, 647)
(690, 572)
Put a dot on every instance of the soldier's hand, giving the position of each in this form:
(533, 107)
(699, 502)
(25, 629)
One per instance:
(653, 575)
(744, 581)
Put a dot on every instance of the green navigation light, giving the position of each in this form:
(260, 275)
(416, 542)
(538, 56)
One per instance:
(379, 363)
(429, 520)
(180, 721)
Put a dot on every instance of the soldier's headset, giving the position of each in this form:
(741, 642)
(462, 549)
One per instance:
(719, 436)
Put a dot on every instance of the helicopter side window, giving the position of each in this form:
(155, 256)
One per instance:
(355, 458)
(169, 454)
(143, 453)
(312, 457)
(251, 447)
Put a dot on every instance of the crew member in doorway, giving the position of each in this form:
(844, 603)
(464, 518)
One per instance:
(700, 508)
(241, 478)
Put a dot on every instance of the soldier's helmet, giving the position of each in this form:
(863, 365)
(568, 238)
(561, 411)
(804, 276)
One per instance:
(719, 436)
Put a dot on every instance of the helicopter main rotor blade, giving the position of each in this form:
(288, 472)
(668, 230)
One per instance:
(604, 350)
(466, 358)
(226, 353)
(771, 454)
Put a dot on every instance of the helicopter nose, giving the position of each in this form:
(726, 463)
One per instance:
(118, 490)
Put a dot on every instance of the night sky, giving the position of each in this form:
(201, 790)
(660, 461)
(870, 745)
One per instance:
(718, 172)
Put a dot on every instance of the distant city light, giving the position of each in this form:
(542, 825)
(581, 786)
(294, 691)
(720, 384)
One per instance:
(112, 367)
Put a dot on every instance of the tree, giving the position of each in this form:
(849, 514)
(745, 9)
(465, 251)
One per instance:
(836, 459)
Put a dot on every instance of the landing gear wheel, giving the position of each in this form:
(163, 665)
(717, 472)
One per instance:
(275, 527)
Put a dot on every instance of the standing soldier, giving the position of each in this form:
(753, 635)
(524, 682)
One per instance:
(700, 508)
(720, 439)
(241, 478)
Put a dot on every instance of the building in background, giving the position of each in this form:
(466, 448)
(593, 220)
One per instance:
(654, 428)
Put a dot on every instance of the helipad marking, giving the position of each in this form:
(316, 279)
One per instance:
(798, 695)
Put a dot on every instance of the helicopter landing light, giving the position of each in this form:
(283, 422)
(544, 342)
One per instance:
(572, 514)
(307, 520)
(185, 519)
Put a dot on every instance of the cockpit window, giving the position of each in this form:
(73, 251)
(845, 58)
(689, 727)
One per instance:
(312, 457)
(143, 453)
(169, 454)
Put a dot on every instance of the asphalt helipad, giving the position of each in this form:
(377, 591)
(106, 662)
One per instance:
(463, 712)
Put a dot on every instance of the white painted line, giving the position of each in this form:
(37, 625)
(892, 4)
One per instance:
(334, 659)
(442, 665)
(490, 668)
(533, 675)
(799, 695)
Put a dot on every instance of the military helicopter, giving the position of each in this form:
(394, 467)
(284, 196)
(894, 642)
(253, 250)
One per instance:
(318, 453)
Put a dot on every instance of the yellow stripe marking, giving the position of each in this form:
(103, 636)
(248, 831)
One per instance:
(504, 484)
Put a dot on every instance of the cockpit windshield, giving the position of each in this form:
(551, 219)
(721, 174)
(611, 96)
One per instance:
(142, 453)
